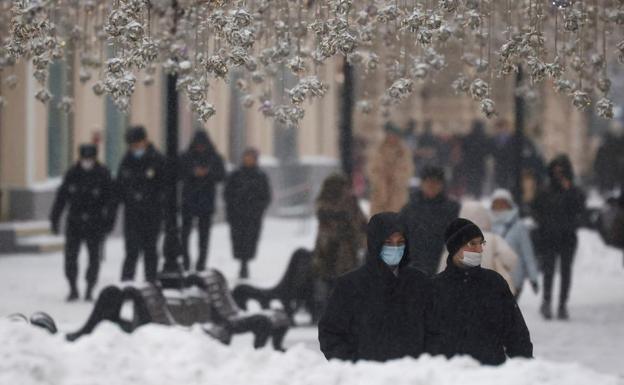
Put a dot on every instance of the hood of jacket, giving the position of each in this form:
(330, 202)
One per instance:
(379, 228)
(566, 165)
(477, 213)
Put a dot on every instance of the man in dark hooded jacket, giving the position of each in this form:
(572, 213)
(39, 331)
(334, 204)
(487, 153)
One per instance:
(427, 214)
(377, 312)
(87, 189)
(247, 195)
(201, 168)
(558, 211)
(142, 188)
(474, 312)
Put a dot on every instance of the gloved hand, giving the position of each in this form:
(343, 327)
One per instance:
(535, 286)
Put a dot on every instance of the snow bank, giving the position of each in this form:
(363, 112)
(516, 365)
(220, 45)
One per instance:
(158, 355)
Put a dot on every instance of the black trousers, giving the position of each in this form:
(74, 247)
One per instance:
(140, 239)
(204, 223)
(245, 236)
(73, 242)
(562, 250)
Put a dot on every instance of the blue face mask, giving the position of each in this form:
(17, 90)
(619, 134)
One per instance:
(391, 255)
(138, 153)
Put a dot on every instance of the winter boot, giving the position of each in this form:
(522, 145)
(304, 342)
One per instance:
(546, 311)
(244, 270)
(89, 293)
(73, 294)
(562, 313)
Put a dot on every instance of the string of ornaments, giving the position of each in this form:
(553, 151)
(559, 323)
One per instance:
(566, 44)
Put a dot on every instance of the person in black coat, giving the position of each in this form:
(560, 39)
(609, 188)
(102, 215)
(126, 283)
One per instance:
(474, 312)
(558, 211)
(377, 312)
(141, 186)
(201, 168)
(87, 188)
(427, 214)
(247, 195)
(475, 149)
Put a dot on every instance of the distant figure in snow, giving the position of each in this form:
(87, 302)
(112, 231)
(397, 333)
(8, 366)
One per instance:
(247, 195)
(474, 312)
(87, 189)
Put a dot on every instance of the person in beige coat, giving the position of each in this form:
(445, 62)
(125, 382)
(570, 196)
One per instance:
(389, 172)
(497, 254)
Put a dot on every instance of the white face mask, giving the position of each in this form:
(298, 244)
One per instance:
(87, 164)
(471, 259)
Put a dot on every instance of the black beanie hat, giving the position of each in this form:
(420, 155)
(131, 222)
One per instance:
(88, 151)
(135, 134)
(459, 233)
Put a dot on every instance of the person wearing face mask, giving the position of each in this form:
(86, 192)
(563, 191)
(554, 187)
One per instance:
(473, 310)
(201, 169)
(87, 189)
(507, 224)
(378, 311)
(559, 211)
(141, 188)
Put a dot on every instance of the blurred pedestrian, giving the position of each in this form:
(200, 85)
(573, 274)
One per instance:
(201, 168)
(558, 211)
(609, 162)
(427, 215)
(87, 189)
(141, 188)
(390, 170)
(340, 237)
(497, 254)
(474, 312)
(247, 195)
(377, 312)
(475, 149)
(428, 148)
(508, 224)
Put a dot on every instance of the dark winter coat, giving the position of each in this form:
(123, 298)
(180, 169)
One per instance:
(609, 162)
(142, 187)
(426, 221)
(89, 196)
(247, 195)
(198, 192)
(476, 146)
(558, 212)
(505, 152)
(373, 314)
(474, 313)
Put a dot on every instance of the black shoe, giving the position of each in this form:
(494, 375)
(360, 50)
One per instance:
(89, 293)
(244, 272)
(546, 311)
(73, 296)
(563, 314)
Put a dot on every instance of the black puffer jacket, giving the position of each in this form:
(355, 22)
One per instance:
(198, 191)
(474, 313)
(373, 314)
(426, 221)
(89, 195)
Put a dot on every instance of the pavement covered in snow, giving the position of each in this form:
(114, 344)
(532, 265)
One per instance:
(572, 352)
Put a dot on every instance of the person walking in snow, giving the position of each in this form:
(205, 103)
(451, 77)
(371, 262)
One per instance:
(508, 224)
(427, 215)
(201, 168)
(474, 312)
(389, 172)
(378, 311)
(141, 188)
(558, 211)
(247, 195)
(340, 237)
(87, 188)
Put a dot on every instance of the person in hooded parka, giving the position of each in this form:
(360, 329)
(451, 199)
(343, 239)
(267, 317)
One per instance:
(377, 312)
(201, 168)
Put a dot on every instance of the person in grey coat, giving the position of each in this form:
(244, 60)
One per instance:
(507, 224)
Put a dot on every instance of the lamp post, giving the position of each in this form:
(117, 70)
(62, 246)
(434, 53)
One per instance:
(519, 139)
(346, 120)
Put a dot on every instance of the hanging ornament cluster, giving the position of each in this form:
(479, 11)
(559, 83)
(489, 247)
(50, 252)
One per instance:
(269, 42)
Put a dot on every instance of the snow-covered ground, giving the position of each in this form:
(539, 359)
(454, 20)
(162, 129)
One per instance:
(591, 342)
